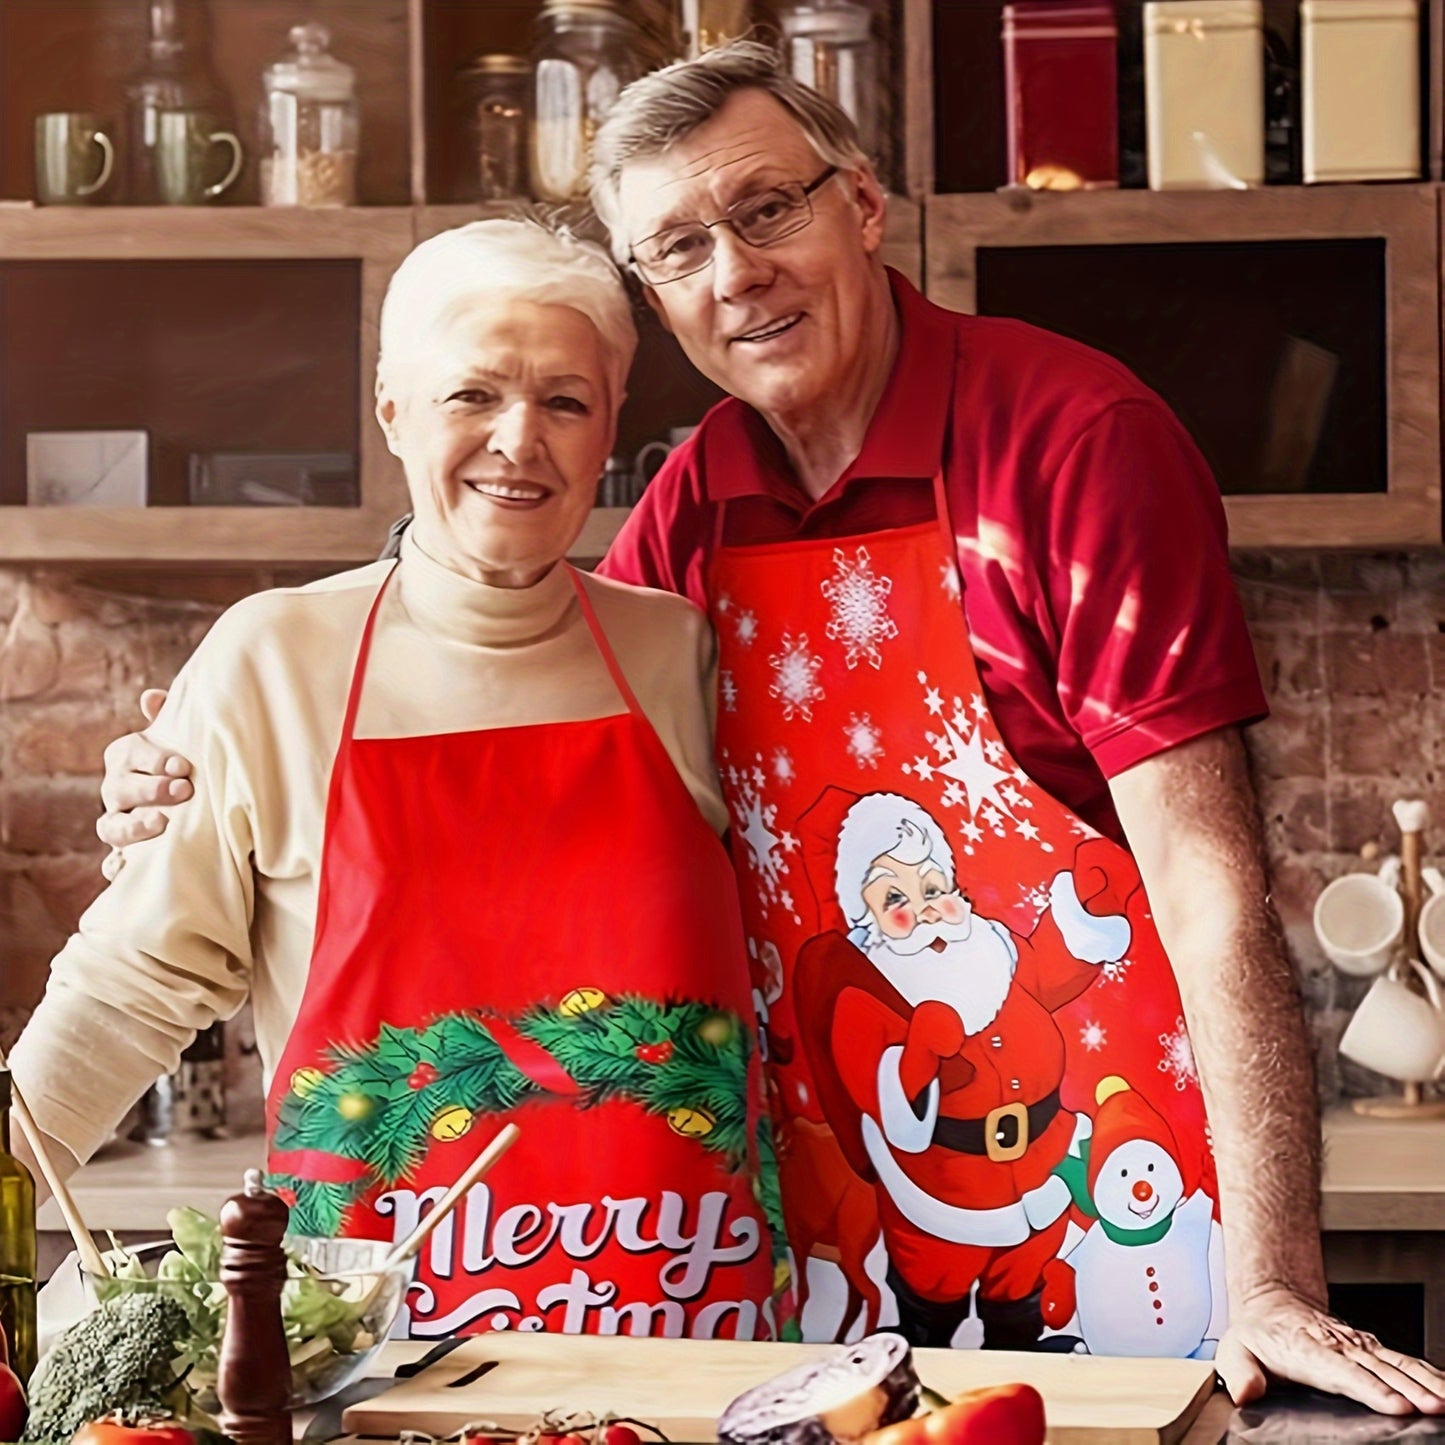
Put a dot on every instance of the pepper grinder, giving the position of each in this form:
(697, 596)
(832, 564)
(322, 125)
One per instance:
(253, 1381)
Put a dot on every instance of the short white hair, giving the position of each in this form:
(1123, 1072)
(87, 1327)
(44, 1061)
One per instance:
(662, 108)
(880, 823)
(469, 269)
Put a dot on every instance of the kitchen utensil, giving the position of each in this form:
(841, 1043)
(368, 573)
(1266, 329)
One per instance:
(1359, 920)
(66, 147)
(90, 1255)
(682, 1386)
(408, 1247)
(1401, 1034)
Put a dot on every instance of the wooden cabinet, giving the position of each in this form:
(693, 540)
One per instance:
(1325, 432)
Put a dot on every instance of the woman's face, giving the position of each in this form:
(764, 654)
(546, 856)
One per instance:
(503, 421)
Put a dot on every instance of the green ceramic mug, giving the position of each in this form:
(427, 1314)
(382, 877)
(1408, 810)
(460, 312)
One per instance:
(186, 157)
(74, 158)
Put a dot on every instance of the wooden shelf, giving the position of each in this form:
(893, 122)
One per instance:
(1405, 218)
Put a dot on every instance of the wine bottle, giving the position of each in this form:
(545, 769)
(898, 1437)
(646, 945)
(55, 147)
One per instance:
(17, 1247)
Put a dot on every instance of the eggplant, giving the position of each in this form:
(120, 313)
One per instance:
(855, 1389)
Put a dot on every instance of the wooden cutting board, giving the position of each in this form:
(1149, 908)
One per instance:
(682, 1386)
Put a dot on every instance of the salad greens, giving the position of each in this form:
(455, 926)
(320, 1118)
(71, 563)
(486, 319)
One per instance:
(323, 1317)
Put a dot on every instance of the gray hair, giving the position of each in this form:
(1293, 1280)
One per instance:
(465, 270)
(660, 109)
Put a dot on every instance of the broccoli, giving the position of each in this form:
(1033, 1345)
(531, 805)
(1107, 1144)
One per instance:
(121, 1357)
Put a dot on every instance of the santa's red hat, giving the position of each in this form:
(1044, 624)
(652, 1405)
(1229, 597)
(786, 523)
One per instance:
(1123, 1114)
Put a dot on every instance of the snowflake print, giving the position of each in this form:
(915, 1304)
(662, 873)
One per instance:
(1178, 1058)
(747, 627)
(796, 681)
(784, 768)
(728, 687)
(724, 603)
(860, 607)
(993, 750)
(1115, 969)
(1093, 1036)
(755, 821)
(949, 581)
(865, 745)
(1027, 830)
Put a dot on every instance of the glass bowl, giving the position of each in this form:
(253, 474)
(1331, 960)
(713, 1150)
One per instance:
(339, 1305)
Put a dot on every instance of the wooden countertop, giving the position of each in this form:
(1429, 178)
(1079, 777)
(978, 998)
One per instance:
(1379, 1174)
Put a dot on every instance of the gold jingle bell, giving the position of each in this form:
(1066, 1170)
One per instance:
(691, 1123)
(581, 1001)
(452, 1123)
(305, 1082)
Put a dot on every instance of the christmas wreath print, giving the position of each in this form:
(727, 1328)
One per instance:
(383, 1105)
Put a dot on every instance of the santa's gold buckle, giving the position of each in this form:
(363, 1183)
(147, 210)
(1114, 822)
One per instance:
(1006, 1132)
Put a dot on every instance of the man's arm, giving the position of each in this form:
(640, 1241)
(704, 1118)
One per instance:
(1192, 822)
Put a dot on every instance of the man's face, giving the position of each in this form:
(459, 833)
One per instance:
(783, 327)
(903, 896)
(503, 423)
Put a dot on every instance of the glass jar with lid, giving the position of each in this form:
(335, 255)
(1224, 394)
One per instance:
(310, 125)
(586, 52)
(829, 46)
(498, 93)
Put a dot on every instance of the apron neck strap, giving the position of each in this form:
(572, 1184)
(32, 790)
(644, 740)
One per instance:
(603, 646)
(358, 672)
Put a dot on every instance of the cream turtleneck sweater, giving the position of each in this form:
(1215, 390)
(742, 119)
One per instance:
(222, 906)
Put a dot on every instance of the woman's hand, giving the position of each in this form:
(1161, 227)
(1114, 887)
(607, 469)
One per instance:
(140, 779)
(1277, 1333)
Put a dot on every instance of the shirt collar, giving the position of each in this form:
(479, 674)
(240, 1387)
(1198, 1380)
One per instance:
(743, 457)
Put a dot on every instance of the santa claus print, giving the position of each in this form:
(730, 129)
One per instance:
(929, 1033)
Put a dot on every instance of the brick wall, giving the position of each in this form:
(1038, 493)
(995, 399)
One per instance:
(1352, 650)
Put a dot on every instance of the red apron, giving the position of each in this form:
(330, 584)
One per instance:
(974, 1041)
(532, 924)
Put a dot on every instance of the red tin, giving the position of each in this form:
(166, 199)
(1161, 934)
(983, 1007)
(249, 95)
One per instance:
(1061, 74)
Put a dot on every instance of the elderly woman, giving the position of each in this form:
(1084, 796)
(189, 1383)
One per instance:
(551, 937)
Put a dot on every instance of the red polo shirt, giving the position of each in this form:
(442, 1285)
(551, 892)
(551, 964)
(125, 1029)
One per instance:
(1091, 537)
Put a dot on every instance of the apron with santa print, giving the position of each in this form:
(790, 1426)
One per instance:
(983, 1094)
(532, 924)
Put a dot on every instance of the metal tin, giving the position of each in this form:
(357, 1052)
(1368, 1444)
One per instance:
(1061, 79)
(1204, 85)
(1361, 103)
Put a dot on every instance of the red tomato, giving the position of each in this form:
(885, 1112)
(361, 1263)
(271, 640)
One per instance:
(620, 1434)
(112, 1431)
(570, 1438)
(998, 1415)
(12, 1396)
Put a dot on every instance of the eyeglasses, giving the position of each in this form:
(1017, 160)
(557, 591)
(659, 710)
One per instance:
(759, 220)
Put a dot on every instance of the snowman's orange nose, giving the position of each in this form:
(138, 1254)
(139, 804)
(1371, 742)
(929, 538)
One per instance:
(1142, 1190)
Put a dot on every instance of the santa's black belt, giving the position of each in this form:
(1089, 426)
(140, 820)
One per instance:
(1004, 1134)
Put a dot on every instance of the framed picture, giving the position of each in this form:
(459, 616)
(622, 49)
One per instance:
(86, 468)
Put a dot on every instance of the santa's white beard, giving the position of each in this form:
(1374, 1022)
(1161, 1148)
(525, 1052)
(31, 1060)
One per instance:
(972, 973)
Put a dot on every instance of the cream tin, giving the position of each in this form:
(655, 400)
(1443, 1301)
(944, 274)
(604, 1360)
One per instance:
(1361, 91)
(1204, 93)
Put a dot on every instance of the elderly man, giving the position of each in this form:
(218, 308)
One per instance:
(980, 567)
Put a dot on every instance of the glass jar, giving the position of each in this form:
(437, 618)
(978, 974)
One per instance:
(498, 91)
(310, 125)
(586, 52)
(829, 46)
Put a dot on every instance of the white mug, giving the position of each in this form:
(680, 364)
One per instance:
(1359, 920)
(644, 464)
(1394, 1031)
(1432, 925)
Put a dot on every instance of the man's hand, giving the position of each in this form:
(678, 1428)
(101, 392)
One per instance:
(140, 779)
(1277, 1333)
